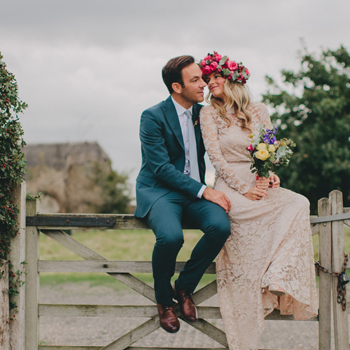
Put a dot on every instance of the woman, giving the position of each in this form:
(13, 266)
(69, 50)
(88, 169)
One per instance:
(267, 262)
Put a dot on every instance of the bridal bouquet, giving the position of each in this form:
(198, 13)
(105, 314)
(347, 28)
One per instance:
(266, 152)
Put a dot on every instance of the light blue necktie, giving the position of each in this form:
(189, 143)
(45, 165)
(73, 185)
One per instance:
(192, 148)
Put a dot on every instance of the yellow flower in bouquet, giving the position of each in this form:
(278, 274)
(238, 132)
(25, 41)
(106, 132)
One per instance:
(261, 147)
(263, 154)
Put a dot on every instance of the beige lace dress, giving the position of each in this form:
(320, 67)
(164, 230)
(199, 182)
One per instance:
(270, 239)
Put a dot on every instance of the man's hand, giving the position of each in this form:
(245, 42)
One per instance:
(217, 197)
(274, 181)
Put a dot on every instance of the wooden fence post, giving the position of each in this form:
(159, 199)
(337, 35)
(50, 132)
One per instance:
(325, 279)
(32, 281)
(4, 306)
(340, 317)
(17, 255)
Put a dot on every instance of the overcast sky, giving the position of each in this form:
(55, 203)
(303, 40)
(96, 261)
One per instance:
(88, 68)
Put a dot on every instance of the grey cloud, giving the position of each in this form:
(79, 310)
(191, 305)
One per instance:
(112, 23)
(88, 68)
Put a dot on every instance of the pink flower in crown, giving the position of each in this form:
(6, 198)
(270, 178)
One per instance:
(232, 65)
(240, 77)
(218, 57)
(206, 70)
(213, 65)
(250, 148)
(207, 57)
(203, 63)
(247, 71)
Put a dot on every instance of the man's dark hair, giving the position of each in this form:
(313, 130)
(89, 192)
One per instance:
(172, 71)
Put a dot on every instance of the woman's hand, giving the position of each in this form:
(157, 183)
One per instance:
(274, 181)
(262, 183)
(255, 194)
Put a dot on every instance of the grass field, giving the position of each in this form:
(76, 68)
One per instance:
(114, 245)
(122, 245)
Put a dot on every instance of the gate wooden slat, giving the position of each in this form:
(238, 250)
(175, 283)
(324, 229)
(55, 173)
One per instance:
(111, 266)
(32, 282)
(325, 281)
(84, 310)
(122, 221)
(340, 318)
(64, 310)
(105, 266)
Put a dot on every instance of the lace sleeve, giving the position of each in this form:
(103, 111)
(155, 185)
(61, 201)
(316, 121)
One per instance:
(211, 142)
(264, 116)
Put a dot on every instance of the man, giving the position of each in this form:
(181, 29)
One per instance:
(170, 189)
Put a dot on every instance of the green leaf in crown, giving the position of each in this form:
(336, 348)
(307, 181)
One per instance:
(223, 60)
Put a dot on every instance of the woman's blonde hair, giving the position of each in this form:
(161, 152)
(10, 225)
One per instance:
(237, 96)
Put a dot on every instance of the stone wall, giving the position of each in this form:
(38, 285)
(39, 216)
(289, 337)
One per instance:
(65, 175)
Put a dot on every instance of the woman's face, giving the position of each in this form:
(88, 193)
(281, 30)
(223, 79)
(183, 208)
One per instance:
(216, 85)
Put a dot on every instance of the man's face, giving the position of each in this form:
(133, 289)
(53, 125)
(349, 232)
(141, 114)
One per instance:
(193, 90)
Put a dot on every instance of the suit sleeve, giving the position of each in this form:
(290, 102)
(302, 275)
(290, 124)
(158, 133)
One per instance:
(156, 152)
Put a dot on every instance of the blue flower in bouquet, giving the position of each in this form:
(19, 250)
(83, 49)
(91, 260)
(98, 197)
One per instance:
(270, 136)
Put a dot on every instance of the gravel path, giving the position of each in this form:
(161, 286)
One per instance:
(100, 331)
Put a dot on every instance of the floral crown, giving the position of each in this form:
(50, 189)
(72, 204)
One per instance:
(231, 70)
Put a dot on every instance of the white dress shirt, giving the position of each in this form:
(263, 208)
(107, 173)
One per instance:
(184, 129)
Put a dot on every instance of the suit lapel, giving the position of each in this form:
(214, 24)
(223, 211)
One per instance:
(173, 120)
(197, 128)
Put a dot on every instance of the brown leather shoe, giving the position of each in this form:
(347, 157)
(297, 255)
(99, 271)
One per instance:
(187, 307)
(168, 319)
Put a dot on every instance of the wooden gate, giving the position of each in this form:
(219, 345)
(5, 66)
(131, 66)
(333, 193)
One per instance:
(329, 225)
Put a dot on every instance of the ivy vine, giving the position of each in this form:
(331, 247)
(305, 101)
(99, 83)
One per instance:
(12, 169)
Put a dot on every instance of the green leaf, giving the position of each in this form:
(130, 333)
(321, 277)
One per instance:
(223, 60)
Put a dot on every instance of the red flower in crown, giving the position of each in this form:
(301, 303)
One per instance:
(231, 70)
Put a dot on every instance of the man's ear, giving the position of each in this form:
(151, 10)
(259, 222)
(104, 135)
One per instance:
(177, 87)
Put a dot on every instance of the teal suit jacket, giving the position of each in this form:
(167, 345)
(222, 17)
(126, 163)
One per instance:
(163, 156)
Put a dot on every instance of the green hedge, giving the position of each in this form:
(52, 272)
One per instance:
(12, 166)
